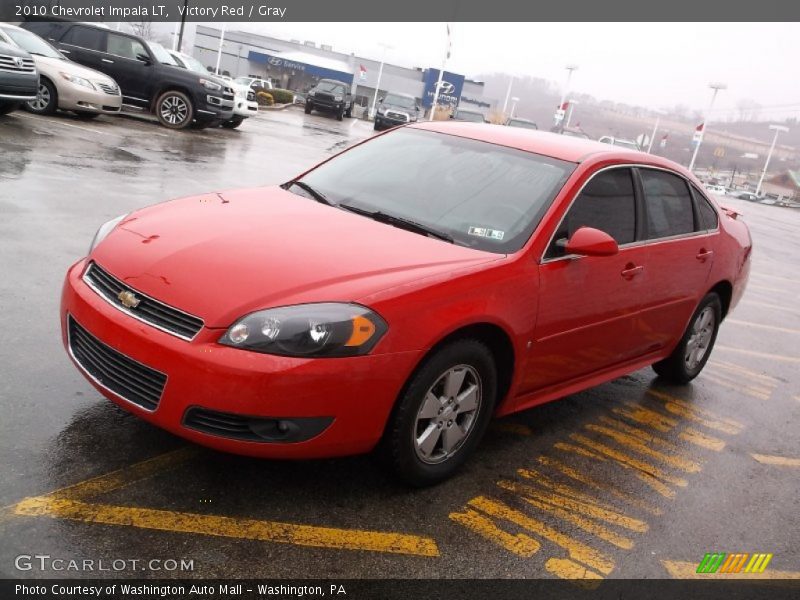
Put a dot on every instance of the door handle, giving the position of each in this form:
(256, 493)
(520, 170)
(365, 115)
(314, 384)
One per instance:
(105, 60)
(630, 271)
(704, 255)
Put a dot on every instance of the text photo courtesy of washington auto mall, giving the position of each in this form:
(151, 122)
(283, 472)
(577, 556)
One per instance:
(453, 300)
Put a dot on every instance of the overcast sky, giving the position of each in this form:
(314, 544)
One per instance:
(647, 64)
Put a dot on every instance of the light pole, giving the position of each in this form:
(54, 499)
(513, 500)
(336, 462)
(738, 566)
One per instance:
(508, 94)
(514, 101)
(219, 50)
(436, 91)
(778, 129)
(559, 117)
(716, 87)
(380, 74)
(572, 104)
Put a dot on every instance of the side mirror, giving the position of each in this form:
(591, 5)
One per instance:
(587, 241)
(143, 58)
(380, 100)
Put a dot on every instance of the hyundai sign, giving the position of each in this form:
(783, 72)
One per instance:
(449, 93)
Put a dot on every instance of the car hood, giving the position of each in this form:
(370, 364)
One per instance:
(54, 66)
(221, 256)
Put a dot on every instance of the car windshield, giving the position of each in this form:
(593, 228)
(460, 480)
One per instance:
(330, 86)
(192, 64)
(30, 42)
(523, 124)
(482, 195)
(244, 80)
(161, 54)
(400, 101)
(465, 115)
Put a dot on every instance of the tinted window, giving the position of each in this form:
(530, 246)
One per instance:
(121, 45)
(669, 205)
(708, 213)
(86, 37)
(483, 195)
(607, 203)
(43, 29)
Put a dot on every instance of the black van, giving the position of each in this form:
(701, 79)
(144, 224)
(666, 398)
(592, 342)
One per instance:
(147, 75)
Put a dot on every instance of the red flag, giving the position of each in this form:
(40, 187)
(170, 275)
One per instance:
(362, 68)
(699, 128)
(565, 105)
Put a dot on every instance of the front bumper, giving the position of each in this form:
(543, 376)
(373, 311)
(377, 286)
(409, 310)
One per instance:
(79, 98)
(355, 394)
(324, 104)
(19, 87)
(214, 107)
(245, 108)
(385, 121)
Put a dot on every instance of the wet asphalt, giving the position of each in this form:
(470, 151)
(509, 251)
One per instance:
(60, 178)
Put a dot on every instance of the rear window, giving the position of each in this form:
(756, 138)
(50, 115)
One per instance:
(669, 204)
(708, 214)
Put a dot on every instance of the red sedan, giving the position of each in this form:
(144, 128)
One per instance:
(404, 291)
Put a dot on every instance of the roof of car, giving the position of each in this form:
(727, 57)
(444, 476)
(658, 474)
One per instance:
(563, 147)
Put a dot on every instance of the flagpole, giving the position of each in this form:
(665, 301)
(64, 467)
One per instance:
(653, 137)
(441, 75)
(704, 125)
(378, 84)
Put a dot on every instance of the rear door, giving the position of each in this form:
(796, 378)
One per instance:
(681, 232)
(129, 70)
(587, 305)
(85, 45)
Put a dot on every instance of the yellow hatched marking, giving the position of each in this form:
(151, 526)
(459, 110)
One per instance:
(577, 450)
(576, 550)
(738, 369)
(647, 438)
(561, 488)
(688, 570)
(644, 467)
(698, 415)
(767, 355)
(636, 444)
(519, 544)
(781, 461)
(599, 485)
(645, 416)
(567, 569)
(698, 438)
(228, 527)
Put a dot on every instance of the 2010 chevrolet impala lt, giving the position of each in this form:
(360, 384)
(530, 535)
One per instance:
(403, 292)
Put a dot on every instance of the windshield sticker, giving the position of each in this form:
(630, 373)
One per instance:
(492, 234)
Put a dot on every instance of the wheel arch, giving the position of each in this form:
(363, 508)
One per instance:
(723, 289)
(171, 87)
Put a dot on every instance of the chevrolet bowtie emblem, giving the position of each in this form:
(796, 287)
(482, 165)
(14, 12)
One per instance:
(128, 299)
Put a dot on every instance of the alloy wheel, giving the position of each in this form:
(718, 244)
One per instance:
(448, 414)
(42, 99)
(174, 110)
(701, 335)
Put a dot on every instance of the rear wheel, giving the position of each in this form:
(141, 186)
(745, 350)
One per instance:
(694, 349)
(233, 123)
(443, 413)
(46, 101)
(174, 110)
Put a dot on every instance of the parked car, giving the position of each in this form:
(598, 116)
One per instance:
(255, 83)
(571, 132)
(62, 83)
(395, 109)
(19, 79)
(244, 104)
(146, 73)
(466, 114)
(715, 189)
(331, 96)
(404, 309)
(749, 196)
(522, 123)
(622, 143)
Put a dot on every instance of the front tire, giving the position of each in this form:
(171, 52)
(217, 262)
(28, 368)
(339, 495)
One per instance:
(233, 123)
(46, 102)
(692, 352)
(443, 413)
(174, 110)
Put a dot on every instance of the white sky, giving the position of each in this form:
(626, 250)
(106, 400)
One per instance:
(647, 64)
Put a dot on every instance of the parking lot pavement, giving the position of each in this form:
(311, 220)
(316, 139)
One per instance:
(634, 478)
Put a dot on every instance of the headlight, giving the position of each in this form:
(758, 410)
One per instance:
(78, 80)
(381, 110)
(210, 85)
(337, 98)
(308, 330)
(104, 230)
(312, 93)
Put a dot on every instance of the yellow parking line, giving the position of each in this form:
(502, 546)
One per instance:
(636, 444)
(599, 485)
(576, 550)
(519, 544)
(645, 437)
(704, 417)
(544, 481)
(763, 326)
(739, 369)
(777, 357)
(567, 569)
(269, 531)
(578, 450)
(781, 461)
(645, 416)
(750, 391)
(688, 570)
(698, 438)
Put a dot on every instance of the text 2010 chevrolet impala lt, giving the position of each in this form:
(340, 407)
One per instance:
(403, 292)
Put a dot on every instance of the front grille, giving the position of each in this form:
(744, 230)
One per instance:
(323, 96)
(127, 378)
(111, 90)
(397, 116)
(13, 65)
(152, 312)
(218, 423)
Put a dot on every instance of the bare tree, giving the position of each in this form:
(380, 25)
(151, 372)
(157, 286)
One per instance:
(143, 29)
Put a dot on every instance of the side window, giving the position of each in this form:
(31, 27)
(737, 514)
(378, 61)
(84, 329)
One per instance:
(43, 29)
(85, 37)
(669, 204)
(121, 45)
(607, 203)
(708, 214)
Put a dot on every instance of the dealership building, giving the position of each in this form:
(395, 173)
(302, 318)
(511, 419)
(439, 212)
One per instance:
(298, 65)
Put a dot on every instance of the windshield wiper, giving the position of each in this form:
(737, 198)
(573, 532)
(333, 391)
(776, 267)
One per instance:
(318, 196)
(399, 222)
